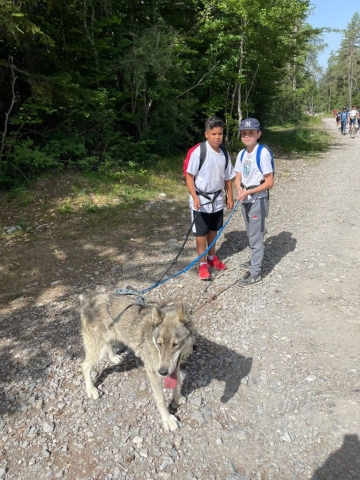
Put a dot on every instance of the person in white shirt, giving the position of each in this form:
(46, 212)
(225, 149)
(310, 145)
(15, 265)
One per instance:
(206, 194)
(353, 115)
(253, 183)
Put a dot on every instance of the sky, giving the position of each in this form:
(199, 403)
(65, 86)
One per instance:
(333, 14)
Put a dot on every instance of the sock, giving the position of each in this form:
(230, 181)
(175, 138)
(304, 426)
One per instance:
(203, 263)
(210, 257)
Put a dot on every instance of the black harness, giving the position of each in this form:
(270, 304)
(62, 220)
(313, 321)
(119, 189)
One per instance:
(251, 186)
(207, 195)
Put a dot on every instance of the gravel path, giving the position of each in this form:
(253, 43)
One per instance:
(273, 391)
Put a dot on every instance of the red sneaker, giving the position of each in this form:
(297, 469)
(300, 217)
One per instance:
(204, 273)
(215, 262)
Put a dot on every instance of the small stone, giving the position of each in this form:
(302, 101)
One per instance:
(46, 453)
(137, 440)
(164, 475)
(199, 418)
(130, 265)
(173, 244)
(236, 476)
(49, 427)
(286, 437)
(167, 463)
(178, 441)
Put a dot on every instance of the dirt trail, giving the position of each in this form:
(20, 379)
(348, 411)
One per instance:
(273, 391)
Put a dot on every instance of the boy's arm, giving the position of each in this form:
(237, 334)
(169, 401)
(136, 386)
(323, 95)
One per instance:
(229, 194)
(238, 184)
(190, 182)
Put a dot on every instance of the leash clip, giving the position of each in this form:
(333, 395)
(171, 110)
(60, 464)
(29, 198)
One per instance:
(140, 299)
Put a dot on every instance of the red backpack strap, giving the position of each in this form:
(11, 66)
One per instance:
(187, 158)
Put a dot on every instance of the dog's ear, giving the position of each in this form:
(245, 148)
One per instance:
(184, 314)
(157, 316)
(86, 296)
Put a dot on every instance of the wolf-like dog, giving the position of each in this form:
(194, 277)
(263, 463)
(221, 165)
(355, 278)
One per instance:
(161, 337)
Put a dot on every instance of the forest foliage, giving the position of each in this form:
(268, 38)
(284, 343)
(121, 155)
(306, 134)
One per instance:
(339, 86)
(112, 85)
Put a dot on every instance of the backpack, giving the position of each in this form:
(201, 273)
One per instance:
(202, 156)
(258, 155)
(343, 116)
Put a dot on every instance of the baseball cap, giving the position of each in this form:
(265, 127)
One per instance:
(250, 124)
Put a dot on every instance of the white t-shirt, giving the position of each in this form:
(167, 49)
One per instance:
(211, 177)
(353, 113)
(250, 174)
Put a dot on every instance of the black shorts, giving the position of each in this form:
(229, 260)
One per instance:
(204, 222)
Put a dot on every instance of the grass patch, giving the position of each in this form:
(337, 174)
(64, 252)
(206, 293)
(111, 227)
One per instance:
(307, 138)
(65, 207)
(87, 194)
(22, 194)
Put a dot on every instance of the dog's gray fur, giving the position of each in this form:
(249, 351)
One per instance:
(161, 337)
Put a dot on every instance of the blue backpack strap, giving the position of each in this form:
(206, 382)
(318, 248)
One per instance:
(242, 154)
(258, 155)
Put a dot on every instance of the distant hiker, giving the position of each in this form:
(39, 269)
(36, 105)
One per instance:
(338, 120)
(353, 115)
(343, 117)
(206, 185)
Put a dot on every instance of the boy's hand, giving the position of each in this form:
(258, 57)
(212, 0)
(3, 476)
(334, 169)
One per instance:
(230, 203)
(242, 193)
(196, 203)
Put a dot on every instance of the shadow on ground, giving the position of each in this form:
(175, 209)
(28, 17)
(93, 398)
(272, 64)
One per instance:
(344, 464)
(276, 247)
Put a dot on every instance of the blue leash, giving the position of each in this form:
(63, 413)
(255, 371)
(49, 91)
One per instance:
(140, 298)
(196, 259)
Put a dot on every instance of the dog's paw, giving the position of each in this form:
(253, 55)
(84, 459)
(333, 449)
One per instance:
(182, 400)
(93, 393)
(175, 403)
(170, 423)
(115, 359)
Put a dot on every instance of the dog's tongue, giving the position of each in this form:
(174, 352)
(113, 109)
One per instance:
(171, 380)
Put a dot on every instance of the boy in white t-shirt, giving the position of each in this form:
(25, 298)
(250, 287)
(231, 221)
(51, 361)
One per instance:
(353, 115)
(253, 191)
(210, 180)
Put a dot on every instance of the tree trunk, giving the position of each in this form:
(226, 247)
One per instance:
(7, 114)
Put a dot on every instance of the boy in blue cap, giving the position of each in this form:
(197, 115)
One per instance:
(253, 185)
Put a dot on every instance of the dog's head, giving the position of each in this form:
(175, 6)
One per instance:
(173, 336)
